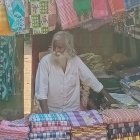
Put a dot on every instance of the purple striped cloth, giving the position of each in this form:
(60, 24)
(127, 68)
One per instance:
(85, 118)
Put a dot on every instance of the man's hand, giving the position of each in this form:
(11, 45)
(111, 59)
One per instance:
(108, 98)
(44, 106)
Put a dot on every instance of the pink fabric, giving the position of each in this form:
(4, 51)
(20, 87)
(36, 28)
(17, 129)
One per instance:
(68, 16)
(100, 9)
(116, 6)
(111, 116)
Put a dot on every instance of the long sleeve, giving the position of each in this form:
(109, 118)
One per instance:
(41, 83)
(87, 77)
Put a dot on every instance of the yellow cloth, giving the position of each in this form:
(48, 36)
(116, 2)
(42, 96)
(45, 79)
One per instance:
(129, 138)
(4, 25)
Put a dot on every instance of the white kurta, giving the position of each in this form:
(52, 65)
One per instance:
(63, 89)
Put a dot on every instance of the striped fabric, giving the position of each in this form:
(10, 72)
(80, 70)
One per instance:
(51, 128)
(85, 118)
(116, 6)
(129, 138)
(52, 134)
(111, 116)
(49, 117)
(17, 123)
(68, 17)
(119, 125)
(49, 124)
(129, 4)
(122, 135)
(67, 138)
(133, 31)
(122, 130)
(90, 138)
(16, 14)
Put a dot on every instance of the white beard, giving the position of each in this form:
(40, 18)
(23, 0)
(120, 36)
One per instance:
(60, 59)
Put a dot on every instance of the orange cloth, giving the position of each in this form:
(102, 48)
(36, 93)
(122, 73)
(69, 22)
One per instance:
(4, 25)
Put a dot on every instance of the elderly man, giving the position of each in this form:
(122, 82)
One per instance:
(58, 77)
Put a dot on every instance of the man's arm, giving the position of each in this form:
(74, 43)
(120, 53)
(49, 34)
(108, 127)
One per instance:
(89, 79)
(44, 106)
(41, 85)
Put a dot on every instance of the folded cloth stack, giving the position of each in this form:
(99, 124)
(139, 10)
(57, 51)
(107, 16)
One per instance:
(53, 126)
(87, 125)
(123, 124)
(14, 130)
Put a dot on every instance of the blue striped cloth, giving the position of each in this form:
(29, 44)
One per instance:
(51, 134)
(49, 117)
(129, 4)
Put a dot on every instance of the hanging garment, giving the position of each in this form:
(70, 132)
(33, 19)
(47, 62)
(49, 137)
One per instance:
(42, 16)
(4, 25)
(116, 6)
(7, 69)
(16, 14)
(83, 9)
(100, 10)
(26, 16)
(137, 15)
(67, 14)
(129, 4)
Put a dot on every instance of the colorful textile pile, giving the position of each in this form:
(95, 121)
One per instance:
(50, 126)
(122, 123)
(87, 125)
(14, 130)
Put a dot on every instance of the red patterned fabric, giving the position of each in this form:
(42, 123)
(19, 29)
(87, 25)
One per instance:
(68, 16)
(111, 116)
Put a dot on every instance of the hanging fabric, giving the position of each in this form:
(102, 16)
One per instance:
(67, 14)
(4, 25)
(137, 15)
(100, 9)
(129, 4)
(42, 16)
(7, 67)
(16, 14)
(116, 6)
(83, 10)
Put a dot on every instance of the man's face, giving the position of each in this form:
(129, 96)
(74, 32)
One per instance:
(59, 47)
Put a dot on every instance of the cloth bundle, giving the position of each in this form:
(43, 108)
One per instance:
(122, 123)
(87, 125)
(50, 126)
(14, 130)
